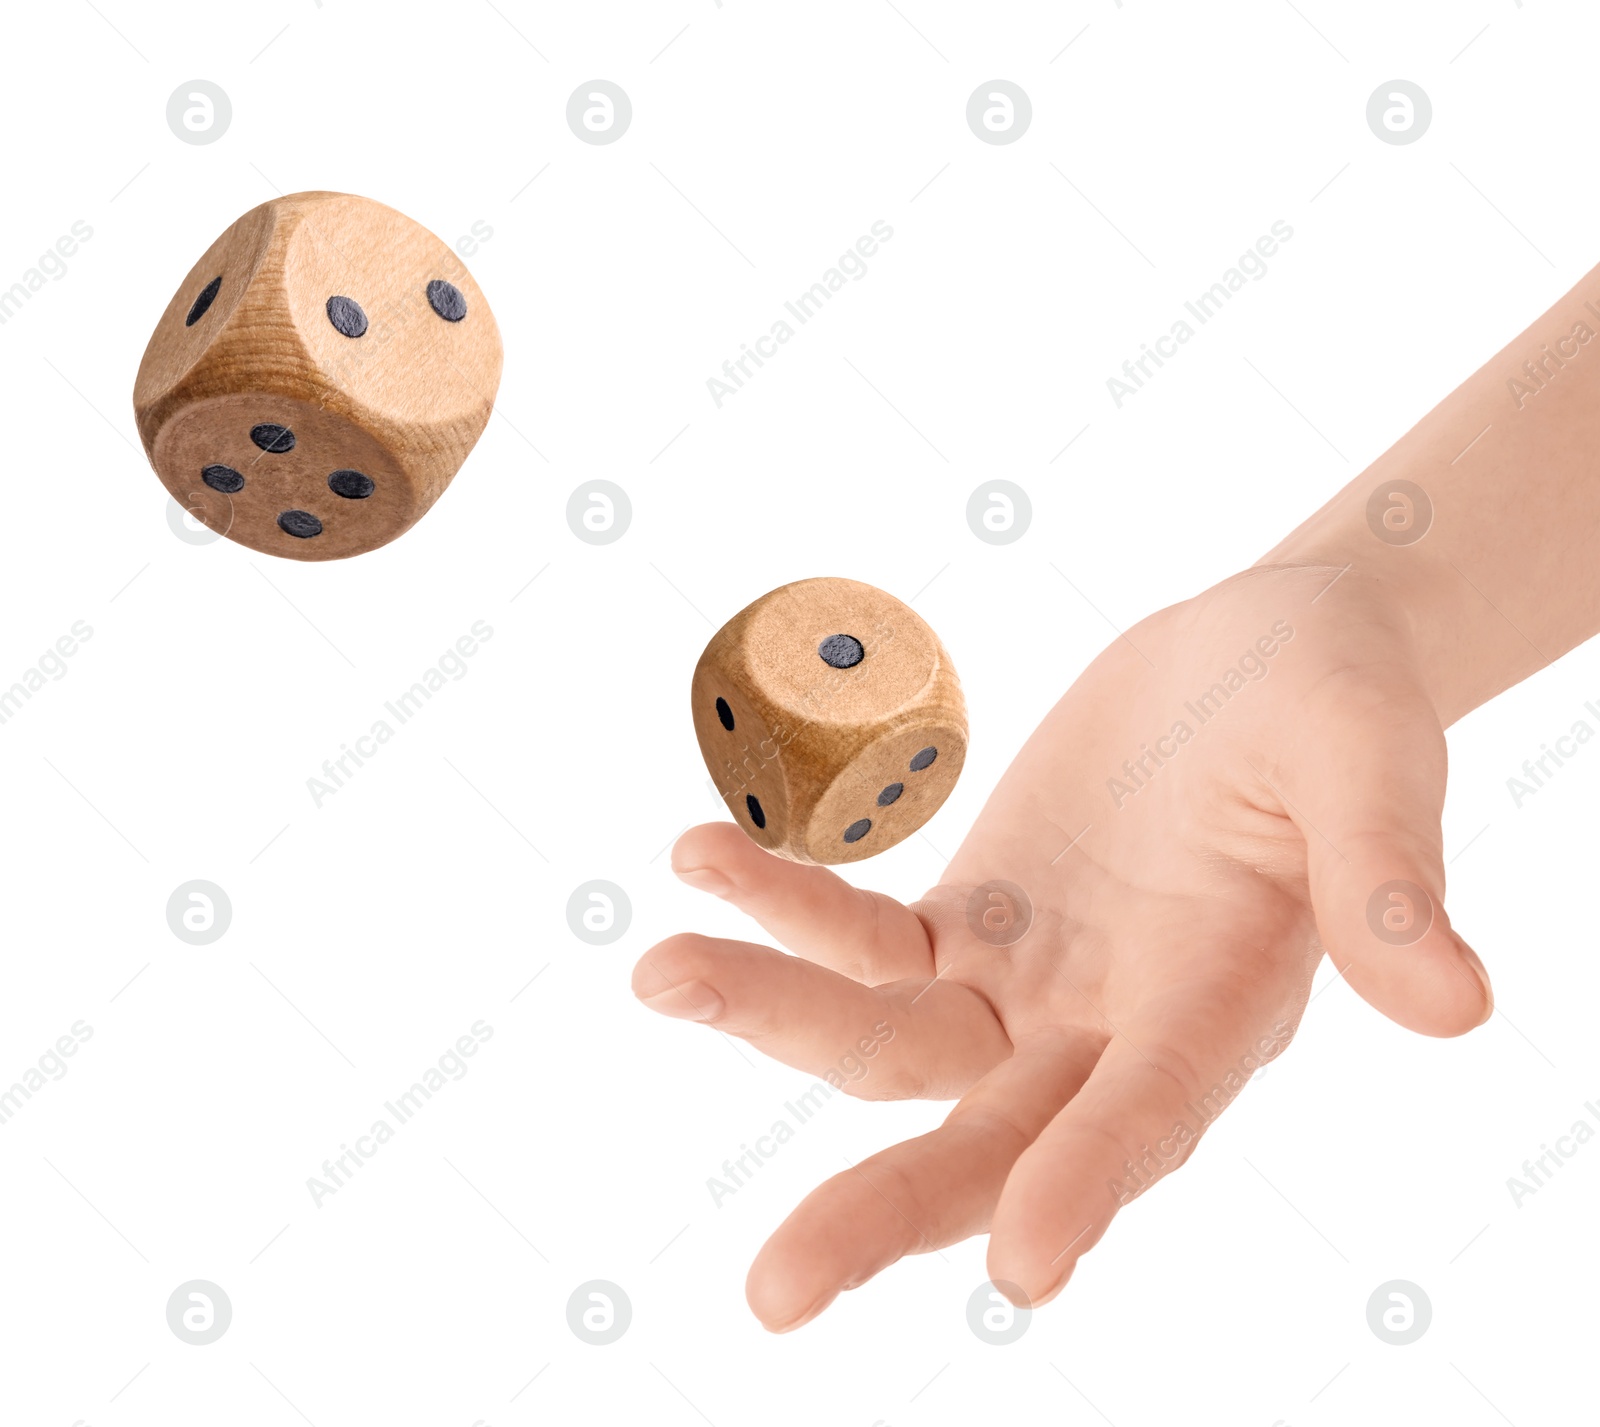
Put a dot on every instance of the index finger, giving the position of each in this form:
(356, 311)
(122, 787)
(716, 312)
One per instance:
(814, 912)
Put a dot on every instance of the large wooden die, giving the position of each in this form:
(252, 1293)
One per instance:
(831, 720)
(318, 378)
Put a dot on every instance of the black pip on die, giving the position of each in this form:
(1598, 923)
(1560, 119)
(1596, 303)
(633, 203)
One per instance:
(318, 378)
(831, 720)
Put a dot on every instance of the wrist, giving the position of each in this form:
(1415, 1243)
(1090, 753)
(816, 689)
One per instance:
(1379, 535)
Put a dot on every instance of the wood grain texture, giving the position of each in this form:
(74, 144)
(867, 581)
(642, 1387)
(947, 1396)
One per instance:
(816, 746)
(404, 403)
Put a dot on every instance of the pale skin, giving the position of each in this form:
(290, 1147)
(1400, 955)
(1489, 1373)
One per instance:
(1180, 908)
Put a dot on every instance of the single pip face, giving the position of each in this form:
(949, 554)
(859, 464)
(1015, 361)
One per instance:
(830, 719)
(318, 378)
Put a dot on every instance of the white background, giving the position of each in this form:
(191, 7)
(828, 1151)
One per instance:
(370, 933)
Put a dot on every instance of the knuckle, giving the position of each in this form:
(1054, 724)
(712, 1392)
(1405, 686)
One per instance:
(1175, 1070)
(885, 1189)
(896, 1082)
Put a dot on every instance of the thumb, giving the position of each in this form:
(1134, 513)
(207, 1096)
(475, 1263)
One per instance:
(1376, 865)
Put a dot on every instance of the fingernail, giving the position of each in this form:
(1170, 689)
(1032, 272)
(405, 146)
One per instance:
(799, 1320)
(1469, 956)
(692, 1001)
(1048, 1294)
(707, 879)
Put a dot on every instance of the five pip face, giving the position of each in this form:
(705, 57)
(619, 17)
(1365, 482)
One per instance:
(831, 720)
(318, 378)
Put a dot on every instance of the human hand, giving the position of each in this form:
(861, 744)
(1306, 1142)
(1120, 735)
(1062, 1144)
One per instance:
(1227, 792)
